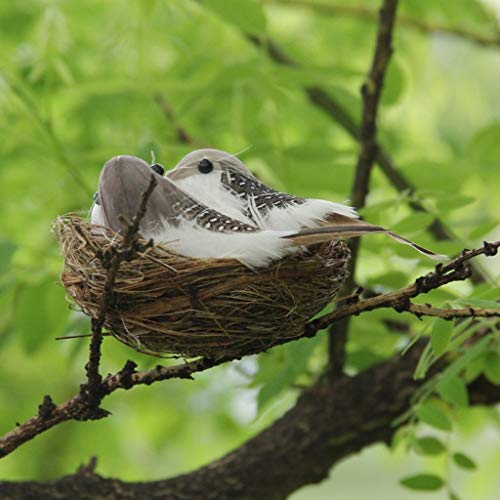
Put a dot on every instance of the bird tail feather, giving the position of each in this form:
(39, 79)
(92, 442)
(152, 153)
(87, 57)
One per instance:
(354, 229)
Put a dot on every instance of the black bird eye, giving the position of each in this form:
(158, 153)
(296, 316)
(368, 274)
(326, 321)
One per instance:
(205, 166)
(158, 168)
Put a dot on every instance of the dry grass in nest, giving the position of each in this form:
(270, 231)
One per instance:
(166, 303)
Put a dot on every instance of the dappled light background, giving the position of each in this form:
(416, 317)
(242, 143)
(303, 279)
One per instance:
(83, 81)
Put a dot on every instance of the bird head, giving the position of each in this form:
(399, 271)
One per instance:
(214, 177)
(208, 163)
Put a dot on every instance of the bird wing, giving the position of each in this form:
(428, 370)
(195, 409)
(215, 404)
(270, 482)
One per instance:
(121, 185)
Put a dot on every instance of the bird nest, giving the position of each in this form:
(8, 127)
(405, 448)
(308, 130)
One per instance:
(166, 303)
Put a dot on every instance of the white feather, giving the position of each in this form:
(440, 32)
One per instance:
(296, 217)
(254, 250)
(97, 216)
(209, 190)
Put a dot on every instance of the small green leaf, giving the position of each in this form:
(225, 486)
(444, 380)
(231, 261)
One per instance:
(7, 249)
(492, 367)
(275, 386)
(441, 335)
(454, 391)
(413, 223)
(394, 84)
(246, 15)
(40, 313)
(279, 369)
(493, 304)
(484, 148)
(391, 279)
(452, 201)
(423, 482)
(432, 415)
(474, 368)
(464, 461)
(482, 229)
(429, 446)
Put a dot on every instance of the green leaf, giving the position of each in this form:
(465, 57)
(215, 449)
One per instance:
(423, 482)
(246, 15)
(394, 84)
(446, 202)
(432, 415)
(40, 313)
(491, 304)
(492, 367)
(363, 358)
(429, 445)
(7, 249)
(275, 386)
(413, 223)
(474, 368)
(464, 461)
(482, 229)
(454, 391)
(391, 279)
(280, 368)
(441, 333)
(484, 148)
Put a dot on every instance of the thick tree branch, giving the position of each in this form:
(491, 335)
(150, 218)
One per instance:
(370, 14)
(371, 91)
(331, 420)
(77, 408)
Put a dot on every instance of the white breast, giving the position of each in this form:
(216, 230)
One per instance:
(97, 216)
(253, 250)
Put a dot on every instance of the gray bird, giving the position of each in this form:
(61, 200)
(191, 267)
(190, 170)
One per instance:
(223, 182)
(190, 227)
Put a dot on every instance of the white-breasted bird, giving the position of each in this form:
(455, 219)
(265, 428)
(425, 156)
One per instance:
(190, 227)
(223, 182)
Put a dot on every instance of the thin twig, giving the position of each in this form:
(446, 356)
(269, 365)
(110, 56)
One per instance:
(448, 313)
(399, 300)
(370, 14)
(47, 127)
(338, 113)
(111, 260)
(182, 135)
(371, 91)
(128, 377)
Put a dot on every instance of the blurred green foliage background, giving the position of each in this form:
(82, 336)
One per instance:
(83, 81)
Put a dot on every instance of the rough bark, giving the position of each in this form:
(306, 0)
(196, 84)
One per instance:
(331, 421)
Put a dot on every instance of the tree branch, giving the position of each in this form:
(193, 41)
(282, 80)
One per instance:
(77, 407)
(111, 260)
(371, 91)
(328, 104)
(370, 14)
(330, 421)
(449, 314)
(182, 135)
(399, 300)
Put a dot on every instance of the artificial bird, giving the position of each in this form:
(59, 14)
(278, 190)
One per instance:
(189, 226)
(223, 182)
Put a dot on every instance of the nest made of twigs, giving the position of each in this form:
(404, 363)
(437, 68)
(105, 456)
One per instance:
(166, 303)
